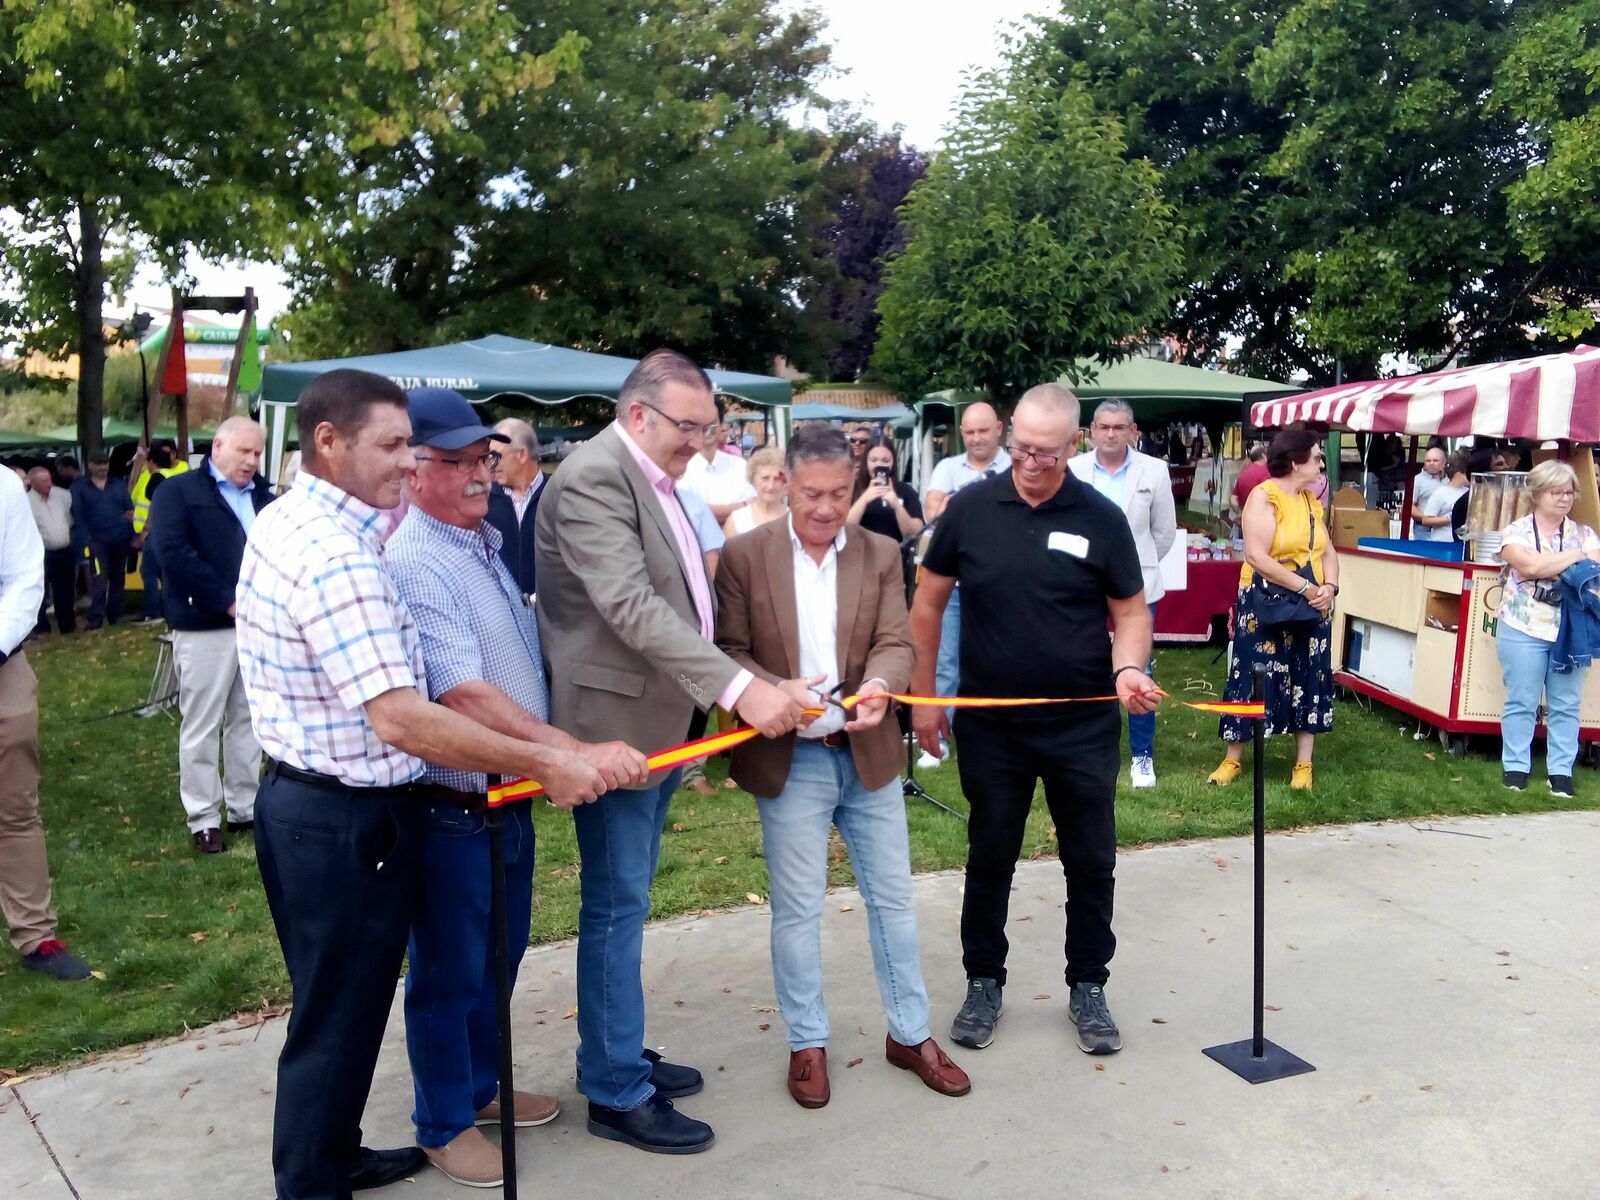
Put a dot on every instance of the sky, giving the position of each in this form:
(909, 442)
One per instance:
(902, 61)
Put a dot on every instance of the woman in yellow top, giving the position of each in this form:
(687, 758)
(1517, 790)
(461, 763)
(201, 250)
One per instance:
(1283, 531)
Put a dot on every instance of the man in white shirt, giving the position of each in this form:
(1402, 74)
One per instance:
(788, 591)
(718, 479)
(981, 430)
(1142, 487)
(24, 874)
(52, 513)
(1431, 518)
(1432, 477)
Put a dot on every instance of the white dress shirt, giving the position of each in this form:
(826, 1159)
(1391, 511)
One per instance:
(721, 481)
(816, 603)
(21, 565)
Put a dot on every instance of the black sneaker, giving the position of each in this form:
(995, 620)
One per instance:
(1097, 1032)
(654, 1126)
(980, 1011)
(52, 958)
(1515, 780)
(672, 1080)
(1561, 785)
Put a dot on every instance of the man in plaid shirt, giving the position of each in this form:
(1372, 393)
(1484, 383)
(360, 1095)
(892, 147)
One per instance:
(480, 647)
(333, 670)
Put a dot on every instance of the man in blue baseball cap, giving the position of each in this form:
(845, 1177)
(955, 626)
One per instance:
(481, 654)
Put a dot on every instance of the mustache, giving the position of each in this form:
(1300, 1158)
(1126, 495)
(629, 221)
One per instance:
(474, 489)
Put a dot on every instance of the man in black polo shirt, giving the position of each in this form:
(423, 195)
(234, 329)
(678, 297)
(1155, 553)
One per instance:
(1043, 561)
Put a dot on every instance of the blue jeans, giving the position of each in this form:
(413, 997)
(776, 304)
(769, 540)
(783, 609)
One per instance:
(619, 838)
(150, 576)
(947, 667)
(823, 790)
(452, 1029)
(1142, 726)
(1526, 663)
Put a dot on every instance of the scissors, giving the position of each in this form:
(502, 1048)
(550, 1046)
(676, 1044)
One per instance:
(829, 697)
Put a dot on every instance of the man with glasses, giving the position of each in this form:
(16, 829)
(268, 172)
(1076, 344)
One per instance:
(981, 430)
(626, 621)
(480, 651)
(1141, 487)
(717, 479)
(1044, 562)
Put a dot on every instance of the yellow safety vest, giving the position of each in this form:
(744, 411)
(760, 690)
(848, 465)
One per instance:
(141, 497)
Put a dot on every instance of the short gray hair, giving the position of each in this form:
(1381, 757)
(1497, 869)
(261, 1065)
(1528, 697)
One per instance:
(818, 443)
(1552, 473)
(1113, 406)
(653, 372)
(521, 434)
(1054, 397)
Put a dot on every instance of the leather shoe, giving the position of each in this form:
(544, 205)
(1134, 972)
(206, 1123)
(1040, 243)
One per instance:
(808, 1077)
(379, 1168)
(209, 841)
(930, 1064)
(654, 1126)
(241, 826)
(672, 1080)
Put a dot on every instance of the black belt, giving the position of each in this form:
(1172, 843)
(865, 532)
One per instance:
(417, 789)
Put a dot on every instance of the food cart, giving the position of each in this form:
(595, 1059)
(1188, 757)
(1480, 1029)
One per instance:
(1410, 630)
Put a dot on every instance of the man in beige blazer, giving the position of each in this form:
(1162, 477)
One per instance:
(815, 599)
(626, 616)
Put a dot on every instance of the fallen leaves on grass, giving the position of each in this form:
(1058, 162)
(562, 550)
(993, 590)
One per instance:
(199, 935)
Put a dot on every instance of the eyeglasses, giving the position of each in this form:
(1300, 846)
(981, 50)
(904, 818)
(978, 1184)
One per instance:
(1112, 428)
(1562, 495)
(465, 465)
(686, 428)
(859, 441)
(1044, 460)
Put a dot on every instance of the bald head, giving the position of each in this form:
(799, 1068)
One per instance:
(39, 480)
(1052, 399)
(519, 460)
(981, 430)
(236, 450)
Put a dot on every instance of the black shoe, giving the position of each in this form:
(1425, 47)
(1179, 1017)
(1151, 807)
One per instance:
(378, 1168)
(52, 958)
(240, 826)
(209, 841)
(1097, 1032)
(1515, 780)
(980, 1011)
(671, 1080)
(654, 1126)
(1561, 785)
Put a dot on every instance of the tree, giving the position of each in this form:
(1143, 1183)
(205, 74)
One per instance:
(659, 195)
(160, 128)
(1033, 241)
(866, 181)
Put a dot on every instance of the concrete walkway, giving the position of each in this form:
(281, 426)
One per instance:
(1443, 981)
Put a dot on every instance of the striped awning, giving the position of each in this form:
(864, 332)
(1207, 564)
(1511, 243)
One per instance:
(1552, 396)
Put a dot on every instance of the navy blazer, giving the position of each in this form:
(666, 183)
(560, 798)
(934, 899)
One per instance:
(199, 544)
(516, 544)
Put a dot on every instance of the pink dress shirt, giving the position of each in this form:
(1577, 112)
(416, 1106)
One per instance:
(689, 549)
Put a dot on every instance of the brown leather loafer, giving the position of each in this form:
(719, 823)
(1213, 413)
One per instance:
(209, 841)
(930, 1064)
(808, 1077)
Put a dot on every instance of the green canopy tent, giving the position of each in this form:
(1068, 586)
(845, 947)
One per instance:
(13, 439)
(117, 431)
(499, 368)
(843, 412)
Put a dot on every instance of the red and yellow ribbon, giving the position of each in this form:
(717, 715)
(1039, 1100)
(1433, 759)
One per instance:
(522, 789)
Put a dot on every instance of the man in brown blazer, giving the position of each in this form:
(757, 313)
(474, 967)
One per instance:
(813, 600)
(626, 616)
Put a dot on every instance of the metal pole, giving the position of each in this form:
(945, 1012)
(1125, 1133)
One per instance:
(499, 933)
(1258, 747)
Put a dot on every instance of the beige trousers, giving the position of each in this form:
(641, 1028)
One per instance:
(211, 699)
(24, 875)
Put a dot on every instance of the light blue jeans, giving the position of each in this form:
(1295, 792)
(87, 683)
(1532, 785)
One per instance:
(947, 667)
(1526, 663)
(823, 790)
(1142, 726)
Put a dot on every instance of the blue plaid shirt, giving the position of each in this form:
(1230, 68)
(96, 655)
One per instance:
(471, 617)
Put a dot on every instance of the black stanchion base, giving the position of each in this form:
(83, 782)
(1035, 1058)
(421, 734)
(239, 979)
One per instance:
(1274, 1063)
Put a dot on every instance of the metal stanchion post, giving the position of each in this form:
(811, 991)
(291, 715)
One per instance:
(502, 985)
(1255, 1059)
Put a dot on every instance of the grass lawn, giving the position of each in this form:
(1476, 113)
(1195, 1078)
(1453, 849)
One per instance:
(185, 939)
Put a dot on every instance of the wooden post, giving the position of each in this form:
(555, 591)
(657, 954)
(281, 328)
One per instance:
(152, 414)
(239, 349)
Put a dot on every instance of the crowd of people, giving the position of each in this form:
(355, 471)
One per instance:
(425, 608)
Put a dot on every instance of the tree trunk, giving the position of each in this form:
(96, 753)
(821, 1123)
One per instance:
(89, 286)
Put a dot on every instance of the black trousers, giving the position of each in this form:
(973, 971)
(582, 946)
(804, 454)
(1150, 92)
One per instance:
(61, 578)
(1001, 763)
(340, 870)
(107, 582)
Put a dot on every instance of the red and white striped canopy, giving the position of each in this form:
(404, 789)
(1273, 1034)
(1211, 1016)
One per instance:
(1551, 396)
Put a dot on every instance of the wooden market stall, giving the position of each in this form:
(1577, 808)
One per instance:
(1411, 630)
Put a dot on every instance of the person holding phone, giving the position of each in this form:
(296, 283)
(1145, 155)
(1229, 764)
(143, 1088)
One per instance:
(882, 503)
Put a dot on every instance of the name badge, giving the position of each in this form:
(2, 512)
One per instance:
(1069, 543)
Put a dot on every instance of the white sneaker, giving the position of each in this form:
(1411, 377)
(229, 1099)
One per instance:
(927, 762)
(1143, 771)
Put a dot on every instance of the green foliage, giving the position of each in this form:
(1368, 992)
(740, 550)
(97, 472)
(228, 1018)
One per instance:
(658, 194)
(1034, 240)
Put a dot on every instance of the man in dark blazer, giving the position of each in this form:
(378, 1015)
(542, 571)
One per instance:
(198, 523)
(514, 500)
(626, 617)
(813, 598)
